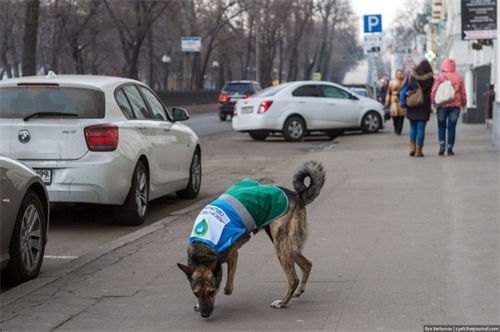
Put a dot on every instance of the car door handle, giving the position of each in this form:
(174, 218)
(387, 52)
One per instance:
(302, 102)
(333, 104)
(141, 127)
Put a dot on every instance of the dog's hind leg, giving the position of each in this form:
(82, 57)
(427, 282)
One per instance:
(232, 261)
(305, 265)
(288, 264)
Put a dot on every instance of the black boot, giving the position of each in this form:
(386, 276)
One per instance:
(441, 150)
(450, 152)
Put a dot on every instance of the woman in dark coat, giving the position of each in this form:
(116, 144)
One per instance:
(419, 115)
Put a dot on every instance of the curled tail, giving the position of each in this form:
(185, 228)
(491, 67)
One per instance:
(313, 170)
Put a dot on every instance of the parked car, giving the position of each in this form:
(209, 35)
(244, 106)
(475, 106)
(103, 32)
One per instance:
(360, 92)
(297, 108)
(100, 140)
(232, 92)
(24, 221)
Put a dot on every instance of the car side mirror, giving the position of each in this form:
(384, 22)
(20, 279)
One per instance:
(354, 97)
(180, 114)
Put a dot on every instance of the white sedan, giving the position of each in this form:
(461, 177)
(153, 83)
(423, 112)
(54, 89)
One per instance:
(100, 140)
(298, 108)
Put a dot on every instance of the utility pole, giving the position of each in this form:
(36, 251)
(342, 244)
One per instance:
(187, 59)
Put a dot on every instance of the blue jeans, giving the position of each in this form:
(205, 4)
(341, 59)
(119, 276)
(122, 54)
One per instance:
(451, 114)
(417, 131)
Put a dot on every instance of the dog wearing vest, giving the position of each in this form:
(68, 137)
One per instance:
(224, 225)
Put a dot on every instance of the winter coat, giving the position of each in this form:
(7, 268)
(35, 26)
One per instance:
(448, 69)
(422, 112)
(392, 98)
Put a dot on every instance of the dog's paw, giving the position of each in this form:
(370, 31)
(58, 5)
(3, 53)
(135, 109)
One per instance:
(228, 290)
(277, 304)
(197, 307)
(298, 293)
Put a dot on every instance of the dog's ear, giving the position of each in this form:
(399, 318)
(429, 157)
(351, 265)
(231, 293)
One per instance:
(188, 270)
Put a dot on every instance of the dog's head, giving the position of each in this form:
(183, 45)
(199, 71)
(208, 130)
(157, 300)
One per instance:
(204, 273)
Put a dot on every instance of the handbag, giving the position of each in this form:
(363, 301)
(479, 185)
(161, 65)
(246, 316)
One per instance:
(444, 93)
(415, 97)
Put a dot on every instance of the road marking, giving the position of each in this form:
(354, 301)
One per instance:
(60, 257)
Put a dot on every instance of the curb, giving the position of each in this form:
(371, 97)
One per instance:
(37, 283)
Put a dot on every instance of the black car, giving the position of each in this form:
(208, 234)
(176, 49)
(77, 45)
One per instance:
(232, 92)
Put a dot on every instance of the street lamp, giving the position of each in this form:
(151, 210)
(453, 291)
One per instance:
(215, 65)
(166, 60)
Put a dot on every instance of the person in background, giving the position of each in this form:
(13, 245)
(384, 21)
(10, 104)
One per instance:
(392, 100)
(448, 114)
(419, 115)
(384, 82)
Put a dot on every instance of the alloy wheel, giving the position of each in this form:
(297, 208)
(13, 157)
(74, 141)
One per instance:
(31, 238)
(371, 122)
(295, 129)
(141, 193)
(196, 173)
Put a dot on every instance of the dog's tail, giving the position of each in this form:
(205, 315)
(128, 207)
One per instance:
(314, 171)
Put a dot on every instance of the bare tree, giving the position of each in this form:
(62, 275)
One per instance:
(32, 8)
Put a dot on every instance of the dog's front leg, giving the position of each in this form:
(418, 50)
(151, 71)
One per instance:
(232, 261)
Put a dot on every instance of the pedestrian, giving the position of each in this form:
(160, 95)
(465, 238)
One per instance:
(392, 100)
(448, 114)
(384, 82)
(420, 77)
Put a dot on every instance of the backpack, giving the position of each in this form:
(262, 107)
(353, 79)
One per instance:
(444, 93)
(414, 97)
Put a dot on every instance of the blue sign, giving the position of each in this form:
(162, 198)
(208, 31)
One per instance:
(373, 23)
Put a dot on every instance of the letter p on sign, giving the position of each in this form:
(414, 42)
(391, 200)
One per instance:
(373, 23)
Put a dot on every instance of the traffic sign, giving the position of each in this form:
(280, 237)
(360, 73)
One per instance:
(316, 76)
(373, 23)
(372, 44)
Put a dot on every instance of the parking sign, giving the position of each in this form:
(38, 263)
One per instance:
(373, 23)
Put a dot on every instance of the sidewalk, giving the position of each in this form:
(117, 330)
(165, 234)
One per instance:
(396, 243)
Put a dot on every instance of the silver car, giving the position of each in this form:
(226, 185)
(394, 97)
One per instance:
(24, 221)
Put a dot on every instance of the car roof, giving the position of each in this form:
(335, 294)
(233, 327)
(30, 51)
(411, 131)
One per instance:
(243, 81)
(84, 81)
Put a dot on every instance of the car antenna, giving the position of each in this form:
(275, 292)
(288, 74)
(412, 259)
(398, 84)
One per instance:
(51, 74)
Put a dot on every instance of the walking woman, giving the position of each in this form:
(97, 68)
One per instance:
(449, 113)
(392, 100)
(419, 115)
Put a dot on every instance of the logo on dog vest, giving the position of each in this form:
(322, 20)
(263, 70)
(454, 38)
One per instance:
(201, 229)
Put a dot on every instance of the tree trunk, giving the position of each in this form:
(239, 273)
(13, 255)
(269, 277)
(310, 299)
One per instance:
(30, 37)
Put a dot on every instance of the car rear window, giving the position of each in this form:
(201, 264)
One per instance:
(239, 88)
(21, 102)
(271, 91)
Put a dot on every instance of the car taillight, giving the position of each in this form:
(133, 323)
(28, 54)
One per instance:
(103, 137)
(264, 106)
(223, 98)
(248, 96)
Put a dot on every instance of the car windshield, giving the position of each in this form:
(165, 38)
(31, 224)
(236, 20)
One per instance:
(26, 101)
(270, 91)
(238, 88)
(360, 92)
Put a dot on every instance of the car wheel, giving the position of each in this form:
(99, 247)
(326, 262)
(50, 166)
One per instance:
(258, 135)
(371, 122)
(27, 243)
(193, 188)
(134, 209)
(223, 117)
(294, 129)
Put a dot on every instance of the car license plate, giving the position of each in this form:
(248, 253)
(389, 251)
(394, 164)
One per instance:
(246, 110)
(45, 174)
(235, 99)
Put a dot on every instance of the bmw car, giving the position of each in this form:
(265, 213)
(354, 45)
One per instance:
(100, 140)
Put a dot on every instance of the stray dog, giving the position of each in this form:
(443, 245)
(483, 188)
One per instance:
(224, 225)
